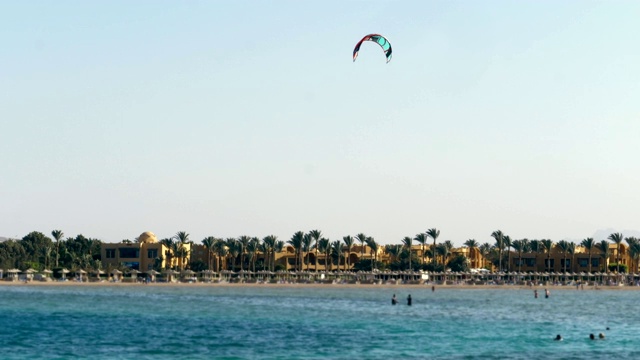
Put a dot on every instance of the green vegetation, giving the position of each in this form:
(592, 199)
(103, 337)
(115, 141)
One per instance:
(36, 250)
(311, 250)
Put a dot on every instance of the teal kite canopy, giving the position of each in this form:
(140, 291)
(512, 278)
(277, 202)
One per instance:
(381, 40)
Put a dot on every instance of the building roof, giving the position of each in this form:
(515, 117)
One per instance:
(147, 237)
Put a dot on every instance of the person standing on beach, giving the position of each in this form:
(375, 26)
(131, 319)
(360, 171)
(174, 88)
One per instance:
(394, 300)
(409, 300)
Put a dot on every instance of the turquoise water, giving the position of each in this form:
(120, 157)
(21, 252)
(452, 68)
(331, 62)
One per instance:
(147, 322)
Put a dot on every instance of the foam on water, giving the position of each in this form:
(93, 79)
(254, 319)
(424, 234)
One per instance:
(318, 323)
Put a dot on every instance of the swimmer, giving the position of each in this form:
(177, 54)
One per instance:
(601, 336)
(558, 338)
(409, 300)
(535, 294)
(546, 293)
(592, 337)
(394, 300)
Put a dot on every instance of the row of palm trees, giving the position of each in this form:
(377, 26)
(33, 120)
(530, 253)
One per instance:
(246, 247)
(305, 244)
(545, 246)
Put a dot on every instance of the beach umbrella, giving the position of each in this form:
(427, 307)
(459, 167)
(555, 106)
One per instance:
(81, 272)
(134, 274)
(170, 273)
(98, 273)
(30, 273)
(13, 274)
(116, 274)
(188, 274)
(64, 273)
(152, 274)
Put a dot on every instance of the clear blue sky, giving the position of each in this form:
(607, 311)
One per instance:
(226, 118)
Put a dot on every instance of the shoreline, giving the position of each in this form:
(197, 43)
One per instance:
(317, 285)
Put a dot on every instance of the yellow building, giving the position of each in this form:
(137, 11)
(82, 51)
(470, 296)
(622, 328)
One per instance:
(557, 261)
(144, 254)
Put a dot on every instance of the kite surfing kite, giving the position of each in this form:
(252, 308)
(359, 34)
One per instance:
(381, 40)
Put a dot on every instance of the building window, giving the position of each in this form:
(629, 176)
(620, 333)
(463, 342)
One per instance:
(129, 253)
(546, 263)
(595, 262)
(132, 265)
(530, 262)
(583, 262)
(152, 253)
(111, 253)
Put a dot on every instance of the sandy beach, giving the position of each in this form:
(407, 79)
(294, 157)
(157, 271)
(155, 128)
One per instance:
(317, 285)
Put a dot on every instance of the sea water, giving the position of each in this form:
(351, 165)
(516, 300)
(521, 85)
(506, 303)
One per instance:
(328, 322)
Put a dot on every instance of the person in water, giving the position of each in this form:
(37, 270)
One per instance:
(409, 300)
(558, 338)
(601, 336)
(546, 293)
(394, 300)
(592, 337)
(535, 294)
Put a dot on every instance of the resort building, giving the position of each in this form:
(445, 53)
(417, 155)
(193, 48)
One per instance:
(560, 261)
(145, 254)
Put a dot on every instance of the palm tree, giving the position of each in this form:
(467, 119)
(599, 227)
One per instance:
(393, 251)
(306, 246)
(507, 245)
(348, 241)
(57, 234)
(264, 247)
(634, 251)
(328, 253)
(46, 253)
(271, 244)
(374, 251)
(220, 248)
(407, 243)
(563, 245)
(617, 238)
(472, 245)
(175, 252)
(499, 237)
(336, 247)
(422, 239)
(485, 249)
(572, 251)
(182, 238)
(362, 238)
(434, 233)
(233, 251)
(243, 242)
(296, 242)
(444, 250)
(252, 250)
(315, 236)
(323, 245)
(279, 246)
(547, 245)
(589, 244)
(208, 243)
(520, 246)
(603, 246)
(168, 243)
